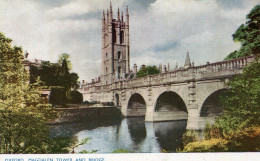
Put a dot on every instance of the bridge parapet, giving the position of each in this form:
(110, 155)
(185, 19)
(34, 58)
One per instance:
(208, 71)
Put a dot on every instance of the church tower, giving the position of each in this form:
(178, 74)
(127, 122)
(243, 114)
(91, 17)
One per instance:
(115, 46)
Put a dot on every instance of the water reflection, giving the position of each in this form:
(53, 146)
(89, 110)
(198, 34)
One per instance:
(70, 129)
(169, 134)
(136, 128)
(133, 134)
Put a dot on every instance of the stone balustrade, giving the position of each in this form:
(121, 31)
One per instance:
(211, 70)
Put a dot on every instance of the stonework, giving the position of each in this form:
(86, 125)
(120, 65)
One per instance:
(192, 85)
(115, 47)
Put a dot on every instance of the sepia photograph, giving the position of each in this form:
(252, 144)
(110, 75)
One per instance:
(129, 80)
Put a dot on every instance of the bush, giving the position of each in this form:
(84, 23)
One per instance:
(75, 97)
(238, 141)
(121, 151)
(190, 136)
(149, 70)
(58, 96)
(212, 131)
(212, 145)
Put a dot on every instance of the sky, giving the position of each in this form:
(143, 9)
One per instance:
(161, 31)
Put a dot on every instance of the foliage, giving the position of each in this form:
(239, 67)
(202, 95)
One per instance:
(121, 151)
(241, 140)
(148, 70)
(64, 57)
(190, 136)
(248, 35)
(54, 74)
(58, 96)
(23, 115)
(241, 104)
(60, 144)
(75, 97)
(211, 131)
(213, 145)
(77, 143)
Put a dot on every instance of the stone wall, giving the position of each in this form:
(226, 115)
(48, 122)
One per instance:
(86, 114)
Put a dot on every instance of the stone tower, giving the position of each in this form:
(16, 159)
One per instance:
(115, 46)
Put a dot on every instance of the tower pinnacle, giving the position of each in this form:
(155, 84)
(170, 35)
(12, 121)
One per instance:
(122, 17)
(103, 20)
(187, 61)
(111, 13)
(118, 14)
(107, 16)
(127, 16)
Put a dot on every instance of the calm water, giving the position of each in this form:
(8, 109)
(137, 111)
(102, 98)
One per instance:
(133, 134)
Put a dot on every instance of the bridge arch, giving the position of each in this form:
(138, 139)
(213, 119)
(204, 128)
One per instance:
(211, 105)
(136, 105)
(170, 101)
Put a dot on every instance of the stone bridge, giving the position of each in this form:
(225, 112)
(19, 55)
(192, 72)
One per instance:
(190, 93)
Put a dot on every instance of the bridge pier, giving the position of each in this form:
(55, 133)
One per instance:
(124, 109)
(149, 113)
(193, 119)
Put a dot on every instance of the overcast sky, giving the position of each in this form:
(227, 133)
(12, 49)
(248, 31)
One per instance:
(161, 31)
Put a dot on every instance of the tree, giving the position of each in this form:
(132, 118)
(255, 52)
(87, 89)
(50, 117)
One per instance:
(148, 70)
(65, 57)
(75, 97)
(52, 74)
(242, 102)
(248, 35)
(23, 115)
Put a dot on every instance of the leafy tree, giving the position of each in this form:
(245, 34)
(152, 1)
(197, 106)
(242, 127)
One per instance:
(58, 96)
(148, 70)
(75, 97)
(52, 74)
(248, 35)
(242, 103)
(23, 116)
(65, 57)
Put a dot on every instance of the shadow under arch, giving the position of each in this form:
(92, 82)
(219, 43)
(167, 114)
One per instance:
(212, 106)
(136, 105)
(169, 134)
(170, 101)
(117, 100)
(137, 129)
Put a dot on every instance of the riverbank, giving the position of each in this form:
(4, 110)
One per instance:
(79, 113)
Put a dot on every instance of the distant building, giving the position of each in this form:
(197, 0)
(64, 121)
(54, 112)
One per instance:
(37, 63)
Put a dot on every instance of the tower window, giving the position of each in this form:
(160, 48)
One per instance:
(106, 56)
(119, 55)
(121, 37)
(118, 72)
(114, 34)
(106, 70)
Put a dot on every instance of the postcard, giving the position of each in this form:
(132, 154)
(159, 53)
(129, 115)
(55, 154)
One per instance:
(84, 80)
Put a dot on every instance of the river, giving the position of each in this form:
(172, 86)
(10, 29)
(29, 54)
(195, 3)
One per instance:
(132, 134)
